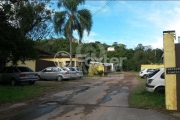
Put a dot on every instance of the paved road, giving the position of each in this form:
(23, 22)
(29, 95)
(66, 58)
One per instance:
(97, 99)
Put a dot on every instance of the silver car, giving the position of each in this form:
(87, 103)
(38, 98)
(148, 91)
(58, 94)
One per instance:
(71, 71)
(54, 73)
(17, 74)
(78, 72)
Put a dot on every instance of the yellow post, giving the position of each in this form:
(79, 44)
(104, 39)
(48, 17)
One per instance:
(170, 79)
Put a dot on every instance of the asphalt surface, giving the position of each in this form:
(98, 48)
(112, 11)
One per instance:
(104, 98)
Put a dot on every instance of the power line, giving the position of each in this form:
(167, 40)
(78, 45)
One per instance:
(103, 7)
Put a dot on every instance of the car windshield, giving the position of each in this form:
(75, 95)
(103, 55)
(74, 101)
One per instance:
(153, 73)
(65, 69)
(25, 69)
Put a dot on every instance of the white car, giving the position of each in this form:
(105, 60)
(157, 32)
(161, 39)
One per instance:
(155, 81)
(144, 73)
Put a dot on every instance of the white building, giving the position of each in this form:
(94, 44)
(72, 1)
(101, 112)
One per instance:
(110, 49)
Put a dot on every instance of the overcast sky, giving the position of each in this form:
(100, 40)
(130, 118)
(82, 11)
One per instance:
(132, 22)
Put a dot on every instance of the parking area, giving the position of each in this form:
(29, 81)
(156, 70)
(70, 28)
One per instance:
(101, 98)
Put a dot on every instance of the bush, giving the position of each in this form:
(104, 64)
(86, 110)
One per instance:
(100, 72)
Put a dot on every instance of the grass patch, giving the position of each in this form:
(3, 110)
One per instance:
(9, 94)
(140, 98)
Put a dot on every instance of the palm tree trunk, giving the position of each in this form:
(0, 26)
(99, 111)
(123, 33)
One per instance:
(70, 40)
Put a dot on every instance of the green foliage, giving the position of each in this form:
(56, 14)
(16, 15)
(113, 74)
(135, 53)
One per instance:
(26, 92)
(135, 57)
(55, 45)
(141, 98)
(22, 22)
(100, 72)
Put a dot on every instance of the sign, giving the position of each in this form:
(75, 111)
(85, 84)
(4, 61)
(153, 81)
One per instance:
(173, 70)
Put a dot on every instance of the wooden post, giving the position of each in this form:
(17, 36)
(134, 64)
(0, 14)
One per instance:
(170, 79)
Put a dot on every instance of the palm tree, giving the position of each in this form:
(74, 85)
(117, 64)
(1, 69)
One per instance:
(71, 19)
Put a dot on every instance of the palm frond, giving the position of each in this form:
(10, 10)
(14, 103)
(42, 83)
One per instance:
(70, 5)
(85, 18)
(79, 20)
(67, 28)
(59, 21)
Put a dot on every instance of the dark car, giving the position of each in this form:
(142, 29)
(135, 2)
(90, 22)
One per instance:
(17, 74)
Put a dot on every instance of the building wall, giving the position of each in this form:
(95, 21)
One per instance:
(110, 49)
(152, 66)
(62, 61)
(31, 64)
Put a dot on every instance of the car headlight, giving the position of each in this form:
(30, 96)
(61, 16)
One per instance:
(149, 81)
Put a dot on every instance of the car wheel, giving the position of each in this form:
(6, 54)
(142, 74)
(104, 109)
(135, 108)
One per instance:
(59, 78)
(160, 90)
(13, 82)
(31, 82)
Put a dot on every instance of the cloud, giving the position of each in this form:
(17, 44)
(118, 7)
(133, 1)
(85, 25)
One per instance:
(157, 43)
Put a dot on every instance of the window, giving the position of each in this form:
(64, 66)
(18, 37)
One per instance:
(15, 70)
(68, 63)
(10, 70)
(64, 69)
(48, 70)
(150, 70)
(153, 73)
(55, 69)
(73, 69)
(24, 69)
(162, 76)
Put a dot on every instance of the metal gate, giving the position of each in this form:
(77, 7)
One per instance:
(177, 49)
(41, 64)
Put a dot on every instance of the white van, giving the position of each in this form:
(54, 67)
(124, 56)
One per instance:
(155, 81)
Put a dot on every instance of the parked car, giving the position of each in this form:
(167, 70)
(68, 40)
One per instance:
(78, 72)
(144, 73)
(72, 71)
(17, 74)
(54, 73)
(155, 81)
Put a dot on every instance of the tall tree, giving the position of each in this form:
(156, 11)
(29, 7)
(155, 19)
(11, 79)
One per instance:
(32, 18)
(70, 19)
(21, 22)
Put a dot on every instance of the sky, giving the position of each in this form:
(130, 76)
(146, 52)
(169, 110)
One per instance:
(131, 22)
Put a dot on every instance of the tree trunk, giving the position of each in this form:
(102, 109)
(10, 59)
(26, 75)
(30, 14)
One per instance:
(70, 40)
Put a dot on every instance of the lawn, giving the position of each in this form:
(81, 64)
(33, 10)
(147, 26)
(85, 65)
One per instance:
(140, 98)
(18, 93)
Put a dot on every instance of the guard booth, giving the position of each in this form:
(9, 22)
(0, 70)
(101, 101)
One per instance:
(172, 71)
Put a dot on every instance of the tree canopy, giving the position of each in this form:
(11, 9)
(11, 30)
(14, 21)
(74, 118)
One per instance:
(21, 22)
(134, 56)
